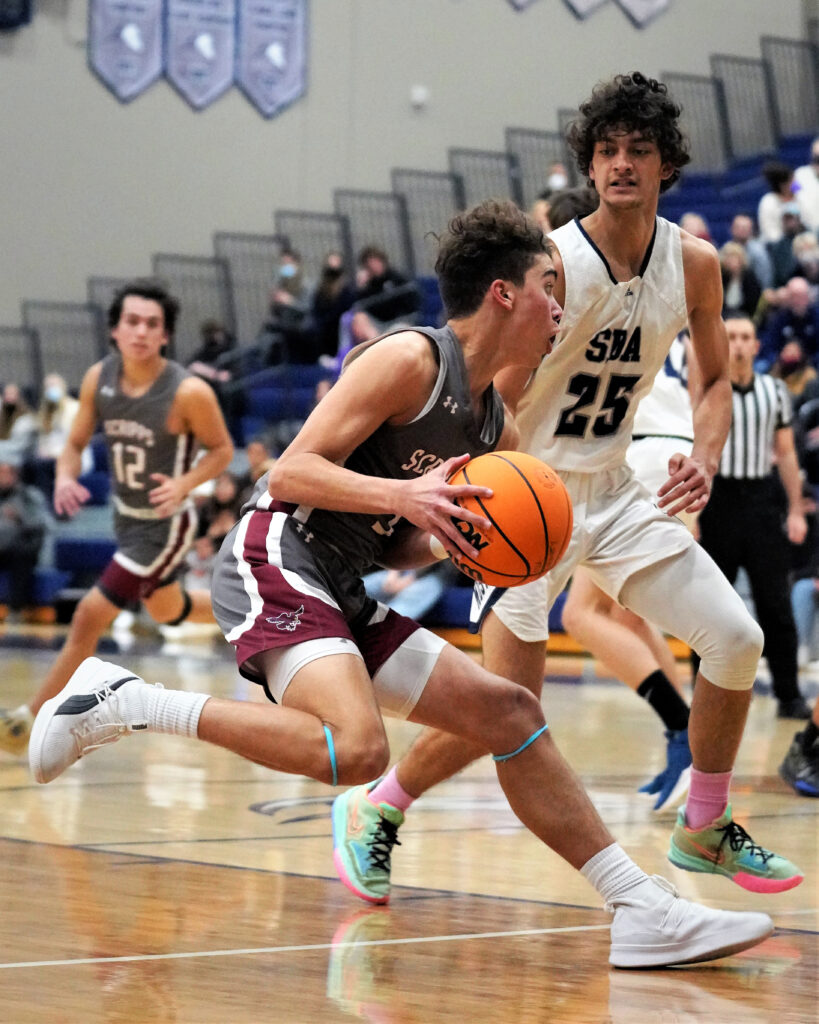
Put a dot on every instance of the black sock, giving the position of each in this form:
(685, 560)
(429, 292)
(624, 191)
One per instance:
(810, 735)
(660, 693)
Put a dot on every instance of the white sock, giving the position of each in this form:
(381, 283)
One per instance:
(172, 711)
(613, 873)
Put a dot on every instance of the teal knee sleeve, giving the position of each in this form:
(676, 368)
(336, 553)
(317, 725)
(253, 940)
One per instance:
(332, 749)
(522, 747)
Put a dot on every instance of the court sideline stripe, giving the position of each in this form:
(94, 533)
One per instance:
(314, 947)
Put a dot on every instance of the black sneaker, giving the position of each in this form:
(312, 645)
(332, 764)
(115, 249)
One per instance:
(796, 708)
(800, 769)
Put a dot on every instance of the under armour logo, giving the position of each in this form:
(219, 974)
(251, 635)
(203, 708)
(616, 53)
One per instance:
(308, 536)
(286, 621)
(629, 293)
(450, 404)
(107, 390)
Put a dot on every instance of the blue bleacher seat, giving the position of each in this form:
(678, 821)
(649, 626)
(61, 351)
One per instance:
(280, 403)
(47, 584)
(98, 483)
(83, 555)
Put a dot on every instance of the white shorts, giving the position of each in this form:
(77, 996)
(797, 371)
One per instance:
(618, 531)
(649, 456)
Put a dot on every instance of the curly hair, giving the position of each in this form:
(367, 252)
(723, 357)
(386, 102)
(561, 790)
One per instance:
(494, 239)
(630, 103)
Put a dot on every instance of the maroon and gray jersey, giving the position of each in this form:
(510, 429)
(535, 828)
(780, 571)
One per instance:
(137, 436)
(447, 426)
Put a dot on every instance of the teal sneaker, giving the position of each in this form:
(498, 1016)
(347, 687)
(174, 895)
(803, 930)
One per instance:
(364, 834)
(725, 848)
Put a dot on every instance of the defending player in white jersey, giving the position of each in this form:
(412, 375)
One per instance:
(628, 281)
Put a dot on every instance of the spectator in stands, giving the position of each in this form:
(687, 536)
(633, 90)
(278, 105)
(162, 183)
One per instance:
(781, 252)
(806, 253)
(216, 342)
(695, 224)
(333, 296)
(199, 563)
(741, 290)
(742, 231)
(290, 291)
(220, 512)
(572, 202)
(260, 459)
(797, 318)
(55, 416)
(411, 592)
(24, 521)
(793, 367)
(384, 297)
(769, 213)
(289, 308)
(806, 188)
(18, 426)
(539, 210)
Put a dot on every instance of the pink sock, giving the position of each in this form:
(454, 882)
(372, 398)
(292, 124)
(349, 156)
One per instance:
(707, 797)
(390, 791)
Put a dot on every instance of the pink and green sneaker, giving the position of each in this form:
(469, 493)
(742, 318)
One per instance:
(364, 834)
(725, 848)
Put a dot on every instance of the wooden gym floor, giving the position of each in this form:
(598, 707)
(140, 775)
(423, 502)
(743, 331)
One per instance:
(162, 880)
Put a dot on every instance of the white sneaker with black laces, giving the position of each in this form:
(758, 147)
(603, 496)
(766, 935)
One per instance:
(657, 928)
(100, 703)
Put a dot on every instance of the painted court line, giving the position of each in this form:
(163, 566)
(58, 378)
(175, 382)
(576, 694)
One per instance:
(252, 951)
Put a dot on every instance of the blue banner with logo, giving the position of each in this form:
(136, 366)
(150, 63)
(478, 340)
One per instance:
(271, 55)
(125, 44)
(201, 37)
(583, 8)
(642, 12)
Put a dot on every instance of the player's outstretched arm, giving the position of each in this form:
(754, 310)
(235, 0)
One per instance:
(689, 485)
(196, 411)
(69, 495)
(389, 383)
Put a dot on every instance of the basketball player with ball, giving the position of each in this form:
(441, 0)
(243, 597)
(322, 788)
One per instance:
(629, 282)
(366, 480)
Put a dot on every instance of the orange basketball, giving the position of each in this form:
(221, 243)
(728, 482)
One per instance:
(531, 515)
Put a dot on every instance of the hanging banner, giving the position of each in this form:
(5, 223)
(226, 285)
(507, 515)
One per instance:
(201, 42)
(583, 8)
(125, 44)
(642, 12)
(271, 57)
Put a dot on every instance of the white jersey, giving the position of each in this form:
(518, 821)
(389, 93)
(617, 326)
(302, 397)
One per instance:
(666, 409)
(578, 411)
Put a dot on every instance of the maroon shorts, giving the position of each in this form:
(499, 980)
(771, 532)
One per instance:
(273, 587)
(150, 554)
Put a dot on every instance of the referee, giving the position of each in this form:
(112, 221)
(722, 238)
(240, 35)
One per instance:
(741, 526)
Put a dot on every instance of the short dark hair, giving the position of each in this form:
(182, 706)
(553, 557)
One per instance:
(372, 252)
(569, 203)
(776, 173)
(146, 288)
(492, 240)
(631, 103)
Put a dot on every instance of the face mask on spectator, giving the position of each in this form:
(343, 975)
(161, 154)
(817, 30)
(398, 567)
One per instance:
(791, 365)
(54, 394)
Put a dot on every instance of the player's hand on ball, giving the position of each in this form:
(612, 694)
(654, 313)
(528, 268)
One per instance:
(429, 502)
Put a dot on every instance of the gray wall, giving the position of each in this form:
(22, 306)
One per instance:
(91, 186)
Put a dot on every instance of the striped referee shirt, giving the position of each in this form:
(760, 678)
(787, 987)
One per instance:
(759, 410)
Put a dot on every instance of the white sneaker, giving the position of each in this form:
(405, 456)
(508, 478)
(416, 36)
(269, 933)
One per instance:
(95, 707)
(661, 929)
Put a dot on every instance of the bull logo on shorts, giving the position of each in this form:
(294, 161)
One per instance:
(286, 621)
